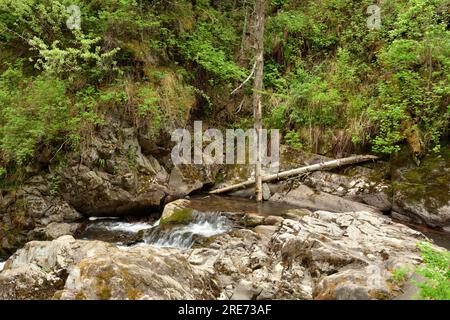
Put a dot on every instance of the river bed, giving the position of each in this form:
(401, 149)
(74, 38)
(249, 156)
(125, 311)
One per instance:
(209, 221)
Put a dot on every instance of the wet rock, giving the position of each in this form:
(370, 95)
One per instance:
(364, 187)
(273, 220)
(55, 230)
(422, 193)
(305, 197)
(252, 220)
(177, 212)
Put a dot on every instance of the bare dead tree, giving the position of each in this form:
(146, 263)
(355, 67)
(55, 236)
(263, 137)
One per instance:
(258, 87)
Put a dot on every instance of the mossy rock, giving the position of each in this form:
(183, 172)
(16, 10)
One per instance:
(178, 216)
(253, 220)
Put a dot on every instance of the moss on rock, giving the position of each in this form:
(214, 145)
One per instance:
(178, 216)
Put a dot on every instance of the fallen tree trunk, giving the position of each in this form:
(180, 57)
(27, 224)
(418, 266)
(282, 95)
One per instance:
(315, 167)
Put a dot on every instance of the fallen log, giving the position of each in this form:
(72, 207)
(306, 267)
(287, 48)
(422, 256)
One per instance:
(314, 167)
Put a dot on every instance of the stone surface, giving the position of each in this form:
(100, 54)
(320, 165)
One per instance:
(324, 255)
(266, 191)
(422, 193)
(177, 211)
(55, 230)
(74, 269)
(365, 187)
(110, 176)
(273, 220)
(253, 220)
(306, 197)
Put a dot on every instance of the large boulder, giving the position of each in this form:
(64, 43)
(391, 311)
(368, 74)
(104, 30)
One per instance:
(140, 272)
(361, 185)
(305, 197)
(26, 213)
(111, 176)
(177, 212)
(74, 269)
(349, 255)
(422, 193)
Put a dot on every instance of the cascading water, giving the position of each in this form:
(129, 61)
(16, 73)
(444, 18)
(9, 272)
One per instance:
(2, 264)
(119, 232)
(204, 224)
(124, 226)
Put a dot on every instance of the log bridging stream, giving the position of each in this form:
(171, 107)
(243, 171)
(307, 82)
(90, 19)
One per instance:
(314, 167)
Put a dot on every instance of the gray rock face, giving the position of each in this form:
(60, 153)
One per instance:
(185, 179)
(323, 255)
(25, 214)
(73, 269)
(55, 230)
(356, 187)
(177, 212)
(109, 177)
(422, 193)
(306, 197)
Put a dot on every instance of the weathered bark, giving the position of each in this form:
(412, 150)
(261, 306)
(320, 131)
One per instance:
(257, 106)
(315, 167)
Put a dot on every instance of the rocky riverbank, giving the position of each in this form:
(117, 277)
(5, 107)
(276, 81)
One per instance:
(120, 173)
(318, 255)
(325, 235)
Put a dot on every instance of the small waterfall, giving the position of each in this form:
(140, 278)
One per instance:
(124, 226)
(118, 232)
(205, 224)
(2, 264)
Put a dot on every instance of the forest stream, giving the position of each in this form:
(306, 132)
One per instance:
(209, 221)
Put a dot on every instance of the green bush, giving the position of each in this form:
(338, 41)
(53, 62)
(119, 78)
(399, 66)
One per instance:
(437, 272)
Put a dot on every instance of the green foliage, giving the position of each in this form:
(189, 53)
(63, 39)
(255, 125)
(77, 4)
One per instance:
(32, 112)
(400, 274)
(293, 139)
(437, 272)
(55, 60)
(38, 112)
(207, 47)
(325, 72)
(376, 85)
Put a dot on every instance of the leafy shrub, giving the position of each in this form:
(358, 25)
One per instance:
(437, 272)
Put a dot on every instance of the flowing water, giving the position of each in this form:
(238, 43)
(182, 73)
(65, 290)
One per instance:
(2, 264)
(111, 230)
(209, 219)
(204, 225)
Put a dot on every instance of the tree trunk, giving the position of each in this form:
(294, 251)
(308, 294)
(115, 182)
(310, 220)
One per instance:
(257, 106)
(315, 167)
